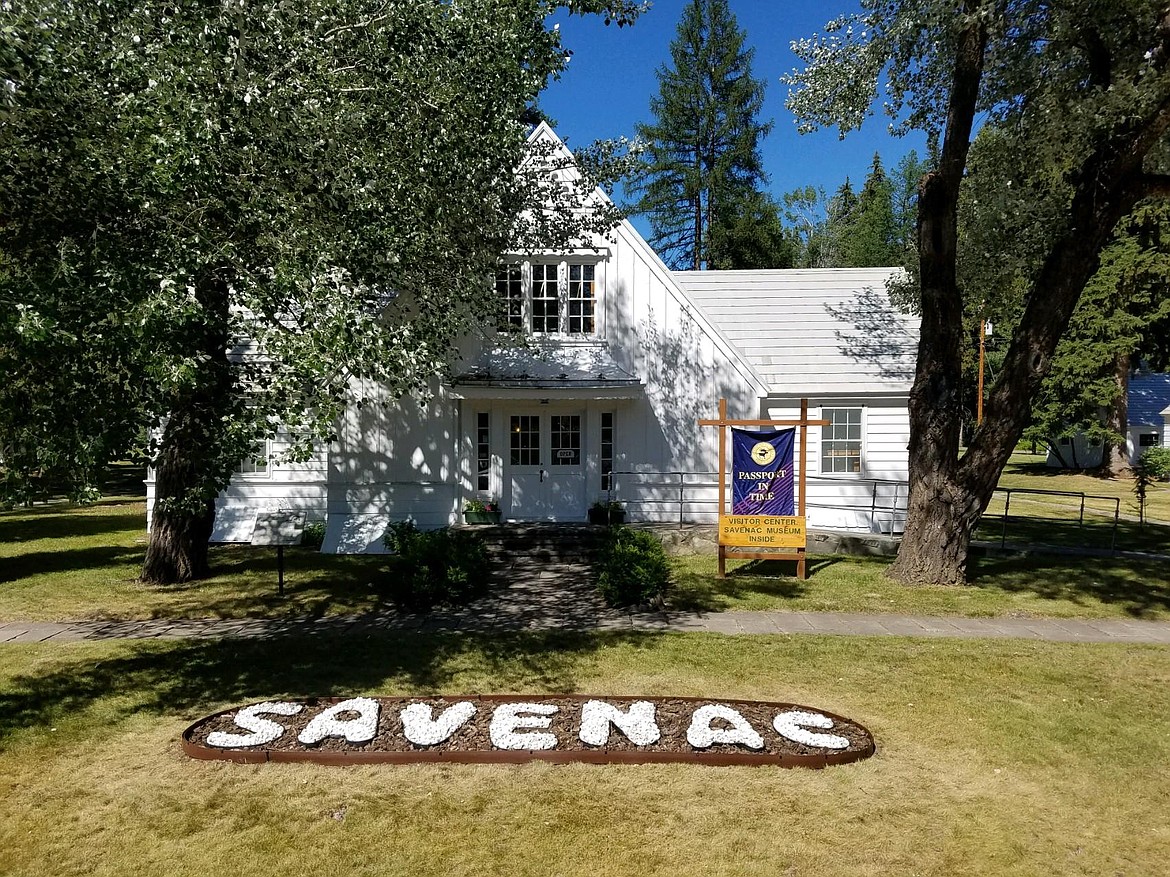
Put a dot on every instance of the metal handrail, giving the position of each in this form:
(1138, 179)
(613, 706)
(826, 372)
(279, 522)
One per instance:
(712, 481)
(1078, 495)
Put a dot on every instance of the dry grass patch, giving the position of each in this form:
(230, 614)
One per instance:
(994, 757)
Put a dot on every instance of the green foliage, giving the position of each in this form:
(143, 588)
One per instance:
(324, 183)
(313, 536)
(752, 238)
(634, 569)
(872, 229)
(702, 165)
(1156, 461)
(436, 567)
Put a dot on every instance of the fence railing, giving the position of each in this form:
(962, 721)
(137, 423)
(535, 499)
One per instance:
(693, 497)
(1068, 508)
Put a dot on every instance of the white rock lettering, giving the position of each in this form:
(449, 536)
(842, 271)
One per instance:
(421, 729)
(508, 717)
(262, 730)
(788, 725)
(701, 735)
(357, 730)
(637, 723)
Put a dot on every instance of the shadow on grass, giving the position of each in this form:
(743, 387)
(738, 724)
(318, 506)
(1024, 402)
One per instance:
(694, 591)
(192, 677)
(1140, 587)
(101, 558)
(245, 583)
(1063, 533)
(66, 521)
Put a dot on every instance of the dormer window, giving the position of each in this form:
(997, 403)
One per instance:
(548, 298)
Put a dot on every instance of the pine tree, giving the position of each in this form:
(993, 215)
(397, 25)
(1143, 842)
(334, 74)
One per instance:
(703, 167)
(872, 235)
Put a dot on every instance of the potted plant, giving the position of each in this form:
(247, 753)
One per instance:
(478, 511)
(610, 512)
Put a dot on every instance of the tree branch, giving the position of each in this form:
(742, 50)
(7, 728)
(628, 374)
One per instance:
(1155, 185)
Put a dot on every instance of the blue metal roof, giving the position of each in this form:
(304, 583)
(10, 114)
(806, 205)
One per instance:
(1149, 396)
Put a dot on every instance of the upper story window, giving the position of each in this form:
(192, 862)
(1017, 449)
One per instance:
(841, 440)
(548, 298)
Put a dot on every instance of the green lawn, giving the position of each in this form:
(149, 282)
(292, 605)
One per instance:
(994, 757)
(1055, 586)
(62, 562)
(59, 562)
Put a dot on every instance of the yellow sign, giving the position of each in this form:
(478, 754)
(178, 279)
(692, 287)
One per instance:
(762, 531)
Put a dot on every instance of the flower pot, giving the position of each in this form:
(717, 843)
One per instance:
(470, 517)
(611, 517)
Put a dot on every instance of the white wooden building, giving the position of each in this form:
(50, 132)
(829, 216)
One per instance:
(621, 358)
(1147, 426)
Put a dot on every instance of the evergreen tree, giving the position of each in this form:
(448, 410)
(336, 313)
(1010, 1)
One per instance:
(871, 239)
(703, 165)
(752, 238)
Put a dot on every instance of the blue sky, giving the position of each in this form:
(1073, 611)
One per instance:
(612, 76)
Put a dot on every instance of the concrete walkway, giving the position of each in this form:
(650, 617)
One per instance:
(843, 624)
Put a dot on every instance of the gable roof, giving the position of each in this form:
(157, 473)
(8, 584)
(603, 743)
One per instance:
(1148, 395)
(812, 331)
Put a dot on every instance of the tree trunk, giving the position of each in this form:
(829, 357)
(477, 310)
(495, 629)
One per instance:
(938, 529)
(189, 467)
(947, 495)
(1115, 455)
(180, 528)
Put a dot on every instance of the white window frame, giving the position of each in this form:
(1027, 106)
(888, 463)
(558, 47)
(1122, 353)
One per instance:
(563, 301)
(861, 443)
(250, 460)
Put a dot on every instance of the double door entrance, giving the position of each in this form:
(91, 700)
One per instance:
(544, 469)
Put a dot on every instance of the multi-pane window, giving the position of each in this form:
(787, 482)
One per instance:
(548, 298)
(483, 452)
(510, 291)
(255, 463)
(581, 299)
(565, 439)
(524, 440)
(1148, 440)
(607, 450)
(841, 440)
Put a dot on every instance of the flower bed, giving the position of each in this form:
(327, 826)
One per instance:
(512, 728)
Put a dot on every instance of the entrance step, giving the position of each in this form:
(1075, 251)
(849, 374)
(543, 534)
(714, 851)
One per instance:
(514, 545)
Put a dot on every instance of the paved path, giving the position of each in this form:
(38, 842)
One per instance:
(847, 624)
(535, 595)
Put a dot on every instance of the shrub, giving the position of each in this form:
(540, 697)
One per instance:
(313, 536)
(633, 568)
(1156, 462)
(436, 567)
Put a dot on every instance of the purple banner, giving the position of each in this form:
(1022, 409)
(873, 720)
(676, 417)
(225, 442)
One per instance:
(761, 472)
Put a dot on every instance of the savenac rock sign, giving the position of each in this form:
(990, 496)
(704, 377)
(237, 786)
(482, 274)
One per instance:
(767, 520)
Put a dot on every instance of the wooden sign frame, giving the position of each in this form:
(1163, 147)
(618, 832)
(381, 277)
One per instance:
(803, 423)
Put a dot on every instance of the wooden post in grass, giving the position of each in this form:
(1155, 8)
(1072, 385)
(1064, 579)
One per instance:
(774, 537)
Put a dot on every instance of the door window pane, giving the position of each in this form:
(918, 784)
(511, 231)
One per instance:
(524, 440)
(565, 440)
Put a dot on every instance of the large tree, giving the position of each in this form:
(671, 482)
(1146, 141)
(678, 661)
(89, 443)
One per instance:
(1082, 87)
(270, 200)
(702, 161)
